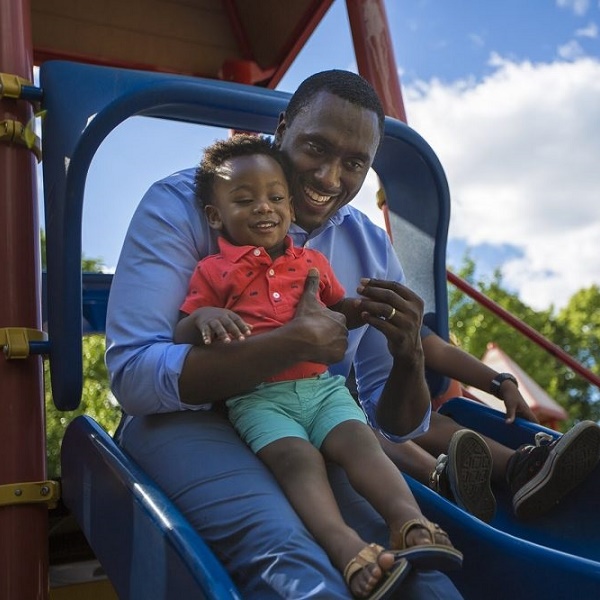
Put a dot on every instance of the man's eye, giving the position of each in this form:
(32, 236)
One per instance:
(354, 165)
(315, 148)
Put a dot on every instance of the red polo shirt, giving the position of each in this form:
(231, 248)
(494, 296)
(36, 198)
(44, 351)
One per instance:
(262, 291)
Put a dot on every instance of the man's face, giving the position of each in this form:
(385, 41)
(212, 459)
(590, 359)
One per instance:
(332, 144)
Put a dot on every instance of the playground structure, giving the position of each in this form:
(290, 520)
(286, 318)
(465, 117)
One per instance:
(100, 484)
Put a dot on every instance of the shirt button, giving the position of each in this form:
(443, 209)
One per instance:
(271, 272)
(276, 295)
(256, 252)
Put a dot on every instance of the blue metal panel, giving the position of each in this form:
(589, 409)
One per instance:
(144, 543)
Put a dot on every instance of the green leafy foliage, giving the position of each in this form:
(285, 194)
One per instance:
(575, 329)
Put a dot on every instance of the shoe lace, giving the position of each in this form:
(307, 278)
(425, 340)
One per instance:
(434, 478)
(543, 439)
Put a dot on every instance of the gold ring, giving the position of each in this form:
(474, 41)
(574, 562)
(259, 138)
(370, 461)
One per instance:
(391, 315)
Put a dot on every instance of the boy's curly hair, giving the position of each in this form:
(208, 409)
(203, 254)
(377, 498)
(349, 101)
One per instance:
(241, 144)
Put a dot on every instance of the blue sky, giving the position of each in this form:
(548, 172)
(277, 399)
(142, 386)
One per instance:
(507, 94)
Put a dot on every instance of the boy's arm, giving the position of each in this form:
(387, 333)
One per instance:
(350, 308)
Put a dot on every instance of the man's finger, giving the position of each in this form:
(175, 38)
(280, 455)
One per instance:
(311, 285)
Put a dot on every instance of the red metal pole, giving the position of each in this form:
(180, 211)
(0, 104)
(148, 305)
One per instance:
(375, 54)
(23, 527)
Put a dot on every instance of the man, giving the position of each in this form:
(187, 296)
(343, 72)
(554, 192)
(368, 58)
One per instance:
(330, 131)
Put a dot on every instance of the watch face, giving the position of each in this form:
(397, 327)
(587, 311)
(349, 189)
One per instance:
(497, 382)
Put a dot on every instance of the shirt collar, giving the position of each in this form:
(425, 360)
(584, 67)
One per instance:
(336, 219)
(235, 253)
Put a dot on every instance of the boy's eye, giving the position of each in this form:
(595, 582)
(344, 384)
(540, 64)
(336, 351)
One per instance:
(277, 198)
(243, 201)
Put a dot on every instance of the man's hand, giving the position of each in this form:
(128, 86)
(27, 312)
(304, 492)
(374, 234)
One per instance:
(321, 333)
(396, 311)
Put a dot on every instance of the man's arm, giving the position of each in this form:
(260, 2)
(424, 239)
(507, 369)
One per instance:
(220, 371)
(397, 312)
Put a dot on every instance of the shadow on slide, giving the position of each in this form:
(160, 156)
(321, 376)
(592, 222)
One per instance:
(554, 556)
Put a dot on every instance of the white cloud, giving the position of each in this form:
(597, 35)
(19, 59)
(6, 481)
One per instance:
(521, 151)
(571, 50)
(579, 7)
(589, 31)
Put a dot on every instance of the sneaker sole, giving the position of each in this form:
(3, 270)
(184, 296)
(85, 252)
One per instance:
(568, 464)
(469, 472)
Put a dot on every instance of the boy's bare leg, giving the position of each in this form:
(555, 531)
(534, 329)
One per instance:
(300, 470)
(437, 439)
(354, 446)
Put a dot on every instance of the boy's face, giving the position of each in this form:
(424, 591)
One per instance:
(331, 144)
(251, 203)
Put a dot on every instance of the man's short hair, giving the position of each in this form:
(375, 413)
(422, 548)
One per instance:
(344, 84)
(241, 144)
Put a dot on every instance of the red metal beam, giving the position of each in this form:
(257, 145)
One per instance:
(23, 527)
(375, 53)
(523, 328)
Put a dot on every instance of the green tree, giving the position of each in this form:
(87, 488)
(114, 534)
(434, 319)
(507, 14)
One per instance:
(97, 400)
(575, 329)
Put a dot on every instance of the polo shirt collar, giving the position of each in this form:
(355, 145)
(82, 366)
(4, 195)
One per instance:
(235, 253)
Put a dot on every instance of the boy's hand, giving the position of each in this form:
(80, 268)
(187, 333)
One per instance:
(219, 324)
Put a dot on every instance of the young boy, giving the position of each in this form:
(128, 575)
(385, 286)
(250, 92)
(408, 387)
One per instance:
(303, 415)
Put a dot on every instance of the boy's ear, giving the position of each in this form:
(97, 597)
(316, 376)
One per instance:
(213, 216)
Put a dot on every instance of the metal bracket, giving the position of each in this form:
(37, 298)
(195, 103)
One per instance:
(11, 85)
(32, 492)
(15, 340)
(14, 132)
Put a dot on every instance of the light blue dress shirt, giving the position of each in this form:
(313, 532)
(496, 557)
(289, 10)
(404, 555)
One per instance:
(166, 238)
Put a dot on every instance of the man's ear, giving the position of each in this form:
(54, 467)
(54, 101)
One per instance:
(213, 216)
(280, 129)
(292, 210)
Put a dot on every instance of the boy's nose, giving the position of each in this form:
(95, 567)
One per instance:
(263, 207)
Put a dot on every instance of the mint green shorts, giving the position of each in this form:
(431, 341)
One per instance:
(304, 408)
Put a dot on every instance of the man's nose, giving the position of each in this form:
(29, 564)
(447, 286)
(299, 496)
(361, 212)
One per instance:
(329, 174)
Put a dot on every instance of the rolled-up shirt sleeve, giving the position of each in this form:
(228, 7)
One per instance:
(165, 240)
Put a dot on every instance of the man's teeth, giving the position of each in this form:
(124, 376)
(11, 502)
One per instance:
(318, 198)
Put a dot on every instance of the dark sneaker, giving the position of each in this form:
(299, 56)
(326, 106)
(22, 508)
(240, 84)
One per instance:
(463, 475)
(540, 476)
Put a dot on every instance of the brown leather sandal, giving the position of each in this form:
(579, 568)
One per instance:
(390, 580)
(439, 555)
